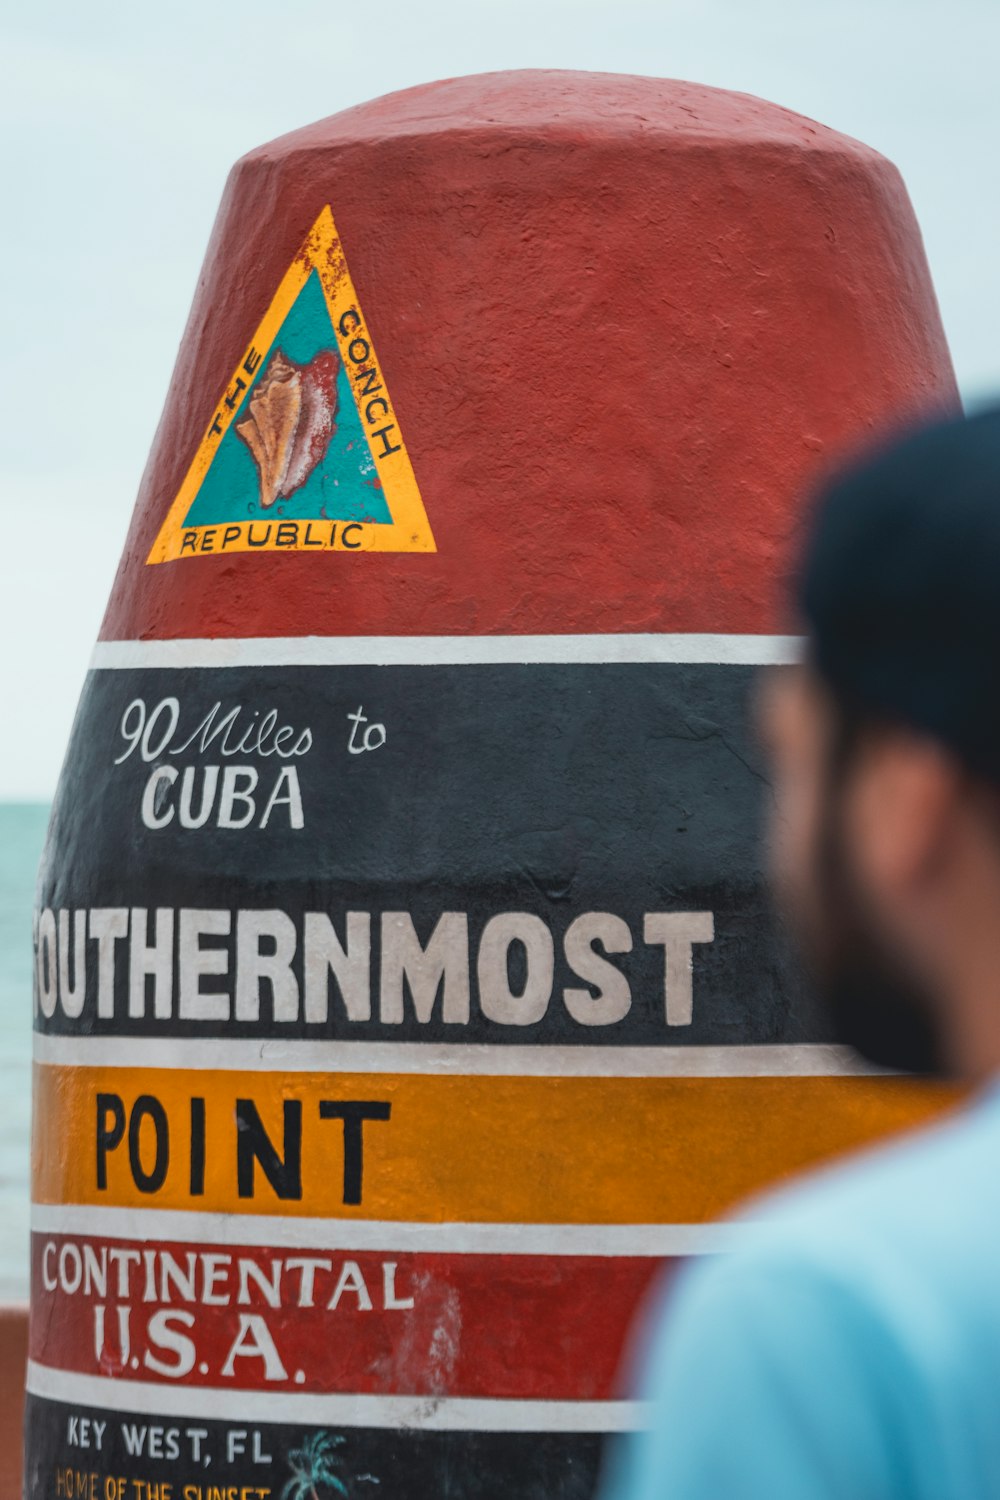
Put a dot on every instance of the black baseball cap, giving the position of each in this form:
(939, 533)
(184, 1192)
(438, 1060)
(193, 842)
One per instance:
(900, 586)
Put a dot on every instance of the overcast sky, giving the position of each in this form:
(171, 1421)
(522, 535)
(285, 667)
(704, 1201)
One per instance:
(122, 120)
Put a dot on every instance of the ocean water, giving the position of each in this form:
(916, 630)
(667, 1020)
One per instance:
(22, 832)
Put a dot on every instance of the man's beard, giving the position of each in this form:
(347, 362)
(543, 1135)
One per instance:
(875, 1005)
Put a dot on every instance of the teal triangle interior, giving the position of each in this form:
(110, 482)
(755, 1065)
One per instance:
(343, 485)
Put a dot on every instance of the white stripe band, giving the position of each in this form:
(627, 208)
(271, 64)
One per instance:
(149, 1224)
(449, 650)
(429, 1413)
(265, 1055)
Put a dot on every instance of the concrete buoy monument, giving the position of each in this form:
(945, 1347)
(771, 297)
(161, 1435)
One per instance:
(406, 995)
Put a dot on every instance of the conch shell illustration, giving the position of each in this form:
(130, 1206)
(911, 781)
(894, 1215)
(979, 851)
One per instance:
(290, 421)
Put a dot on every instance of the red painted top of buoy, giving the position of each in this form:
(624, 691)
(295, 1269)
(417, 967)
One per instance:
(623, 322)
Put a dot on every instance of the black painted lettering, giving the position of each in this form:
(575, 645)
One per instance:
(110, 1133)
(254, 1145)
(351, 526)
(287, 534)
(146, 1107)
(371, 382)
(354, 1112)
(370, 412)
(387, 447)
(363, 347)
(252, 361)
(197, 1179)
(233, 396)
(208, 539)
(230, 534)
(348, 322)
(189, 542)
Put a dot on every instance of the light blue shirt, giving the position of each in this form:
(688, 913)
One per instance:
(848, 1348)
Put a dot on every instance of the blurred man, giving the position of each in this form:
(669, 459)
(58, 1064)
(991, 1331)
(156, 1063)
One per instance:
(851, 1347)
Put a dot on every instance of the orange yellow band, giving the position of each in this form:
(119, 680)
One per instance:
(465, 1149)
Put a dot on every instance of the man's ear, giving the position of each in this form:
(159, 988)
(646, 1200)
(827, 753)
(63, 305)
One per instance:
(901, 810)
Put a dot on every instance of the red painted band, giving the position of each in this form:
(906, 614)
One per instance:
(524, 1326)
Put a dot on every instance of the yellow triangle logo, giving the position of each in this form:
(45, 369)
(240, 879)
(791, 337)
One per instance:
(303, 452)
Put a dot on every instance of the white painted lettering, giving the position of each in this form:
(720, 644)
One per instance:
(154, 959)
(350, 966)
(288, 777)
(107, 925)
(442, 965)
(254, 966)
(613, 998)
(164, 1333)
(496, 997)
(254, 1341)
(157, 809)
(678, 931)
(195, 962)
(233, 792)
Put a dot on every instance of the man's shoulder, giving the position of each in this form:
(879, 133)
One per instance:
(800, 1332)
(850, 1333)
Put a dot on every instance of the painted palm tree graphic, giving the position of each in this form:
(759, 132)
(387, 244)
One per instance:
(312, 1469)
